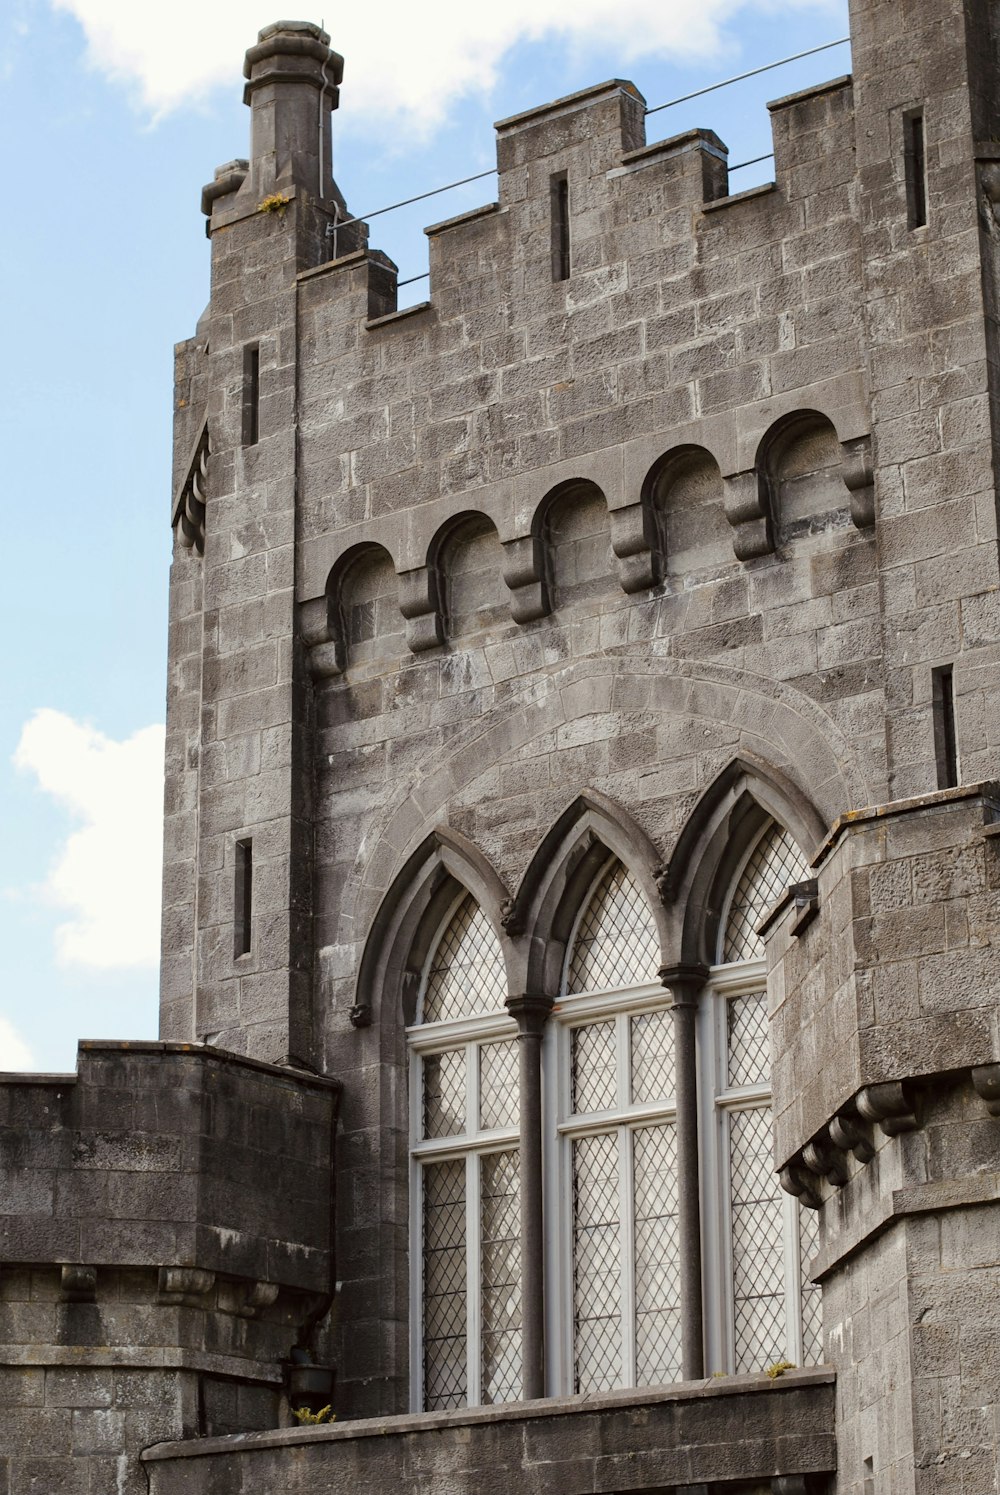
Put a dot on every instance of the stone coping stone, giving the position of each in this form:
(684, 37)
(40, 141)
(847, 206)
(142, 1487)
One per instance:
(731, 1427)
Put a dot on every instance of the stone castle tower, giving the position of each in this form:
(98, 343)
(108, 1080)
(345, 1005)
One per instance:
(579, 995)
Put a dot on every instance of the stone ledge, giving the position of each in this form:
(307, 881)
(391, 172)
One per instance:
(737, 1427)
(145, 1357)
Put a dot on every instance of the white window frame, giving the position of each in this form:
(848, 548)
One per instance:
(717, 1101)
(562, 1127)
(472, 1144)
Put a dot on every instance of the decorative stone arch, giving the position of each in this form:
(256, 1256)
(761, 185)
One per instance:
(854, 456)
(322, 620)
(675, 525)
(468, 524)
(729, 815)
(590, 830)
(776, 721)
(553, 553)
(409, 916)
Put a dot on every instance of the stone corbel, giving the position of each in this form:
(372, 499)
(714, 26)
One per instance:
(418, 602)
(636, 546)
(524, 573)
(192, 497)
(187, 1285)
(747, 500)
(859, 476)
(257, 1296)
(78, 1284)
(888, 1105)
(326, 653)
(849, 1134)
(801, 1184)
(806, 895)
(826, 1161)
(986, 1081)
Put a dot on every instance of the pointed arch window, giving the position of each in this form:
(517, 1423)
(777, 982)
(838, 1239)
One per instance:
(615, 1320)
(464, 1196)
(759, 1304)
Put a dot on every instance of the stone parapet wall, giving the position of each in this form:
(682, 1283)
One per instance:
(742, 1435)
(167, 1154)
(165, 1243)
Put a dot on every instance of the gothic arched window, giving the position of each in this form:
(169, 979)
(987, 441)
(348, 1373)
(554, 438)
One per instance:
(759, 1305)
(616, 1319)
(465, 1205)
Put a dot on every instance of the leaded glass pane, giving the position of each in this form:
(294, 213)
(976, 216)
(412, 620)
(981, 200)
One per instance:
(748, 1055)
(597, 1338)
(444, 1305)
(657, 1279)
(652, 1041)
(616, 943)
(444, 1093)
(758, 1254)
(774, 863)
(466, 974)
(498, 1088)
(595, 1068)
(501, 1276)
(812, 1293)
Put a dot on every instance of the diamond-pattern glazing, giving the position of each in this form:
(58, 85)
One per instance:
(774, 863)
(812, 1293)
(466, 974)
(498, 1084)
(758, 1253)
(748, 1059)
(444, 1286)
(595, 1068)
(444, 1093)
(616, 943)
(657, 1278)
(500, 1227)
(652, 1041)
(597, 1337)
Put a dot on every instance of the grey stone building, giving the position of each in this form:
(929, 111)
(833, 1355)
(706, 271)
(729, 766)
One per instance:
(579, 993)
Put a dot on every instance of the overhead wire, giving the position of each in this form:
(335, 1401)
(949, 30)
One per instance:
(333, 229)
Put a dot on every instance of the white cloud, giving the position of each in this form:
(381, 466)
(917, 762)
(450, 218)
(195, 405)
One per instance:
(406, 63)
(14, 1052)
(106, 874)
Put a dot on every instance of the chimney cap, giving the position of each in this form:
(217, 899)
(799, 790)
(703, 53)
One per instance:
(295, 39)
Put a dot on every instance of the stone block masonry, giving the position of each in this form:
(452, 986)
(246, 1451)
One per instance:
(652, 558)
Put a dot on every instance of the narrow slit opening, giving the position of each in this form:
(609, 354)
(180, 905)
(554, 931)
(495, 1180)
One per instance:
(945, 735)
(243, 913)
(559, 192)
(916, 169)
(251, 394)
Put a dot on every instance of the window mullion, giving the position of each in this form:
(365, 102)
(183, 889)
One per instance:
(474, 1316)
(627, 1209)
(793, 1280)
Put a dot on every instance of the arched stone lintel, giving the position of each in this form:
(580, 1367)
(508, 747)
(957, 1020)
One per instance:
(745, 794)
(589, 831)
(396, 945)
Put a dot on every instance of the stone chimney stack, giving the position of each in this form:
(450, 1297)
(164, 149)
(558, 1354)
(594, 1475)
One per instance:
(293, 79)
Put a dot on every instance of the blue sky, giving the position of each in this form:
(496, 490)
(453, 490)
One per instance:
(114, 115)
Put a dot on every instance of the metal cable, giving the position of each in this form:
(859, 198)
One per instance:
(332, 229)
(405, 203)
(753, 73)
